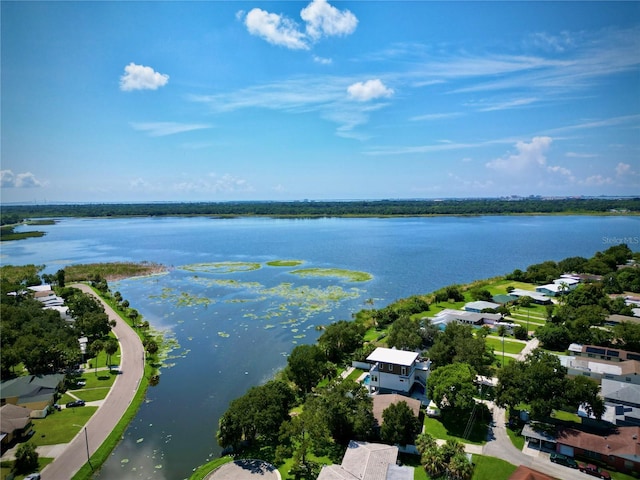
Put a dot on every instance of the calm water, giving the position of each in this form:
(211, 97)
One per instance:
(233, 329)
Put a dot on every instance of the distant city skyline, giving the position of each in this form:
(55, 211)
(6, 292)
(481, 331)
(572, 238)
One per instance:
(252, 101)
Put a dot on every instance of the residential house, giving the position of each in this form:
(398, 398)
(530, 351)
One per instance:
(526, 473)
(397, 371)
(622, 402)
(627, 371)
(383, 401)
(480, 305)
(619, 449)
(448, 315)
(15, 424)
(36, 392)
(536, 297)
(367, 461)
(604, 353)
(616, 319)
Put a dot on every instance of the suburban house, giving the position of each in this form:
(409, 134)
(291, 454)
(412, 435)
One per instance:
(536, 297)
(448, 315)
(622, 402)
(383, 401)
(619, 449)
(627, 371)
(36, 392)
(397, 371)
(480, 305)
(617, 319)
(603, 353)
(15, 424)
(367, 461)
(526, 473)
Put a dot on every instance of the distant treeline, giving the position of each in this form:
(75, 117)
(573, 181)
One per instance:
(333, 208)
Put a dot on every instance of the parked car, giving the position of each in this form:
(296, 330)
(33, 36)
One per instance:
(594, 471)
(563, 460)
(75, 403)
(33, 476)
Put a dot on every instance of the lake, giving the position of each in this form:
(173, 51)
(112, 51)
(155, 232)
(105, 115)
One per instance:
(232, 318)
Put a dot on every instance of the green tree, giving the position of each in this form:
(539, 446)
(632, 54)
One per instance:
(95, 348)
(626, 333)
(110, 348)
(457, 343)
(584, 392)
(26, 459)
(306, 366)
(452, 387)
(405, 334)
(400, 426)
(341, 339)
(545, 383)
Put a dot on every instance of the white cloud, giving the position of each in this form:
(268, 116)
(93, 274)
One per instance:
(509, 104)
(21, 180)
(322, 60)
(435, 116)
(214, 183)
(528, 155)
(369, 90)
(624, 169)
(275, 29)
(580, 155)
(321, 20)
(597, 180)
(560, 170)
(139, 77)
(326, 20)
(161, 129)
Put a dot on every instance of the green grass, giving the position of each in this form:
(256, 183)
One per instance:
(355, 374)
(60, 427)
(491, 468)
(419, 472)
(438, 429)
(91, 394)
(516, 438)
(5, 467)
(509, 346)
(203, 470)
(566, 416)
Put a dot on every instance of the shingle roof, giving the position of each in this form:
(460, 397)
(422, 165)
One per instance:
(369, 461)
(622, 443)
(526, 473)
(382, 401)
(13, 418)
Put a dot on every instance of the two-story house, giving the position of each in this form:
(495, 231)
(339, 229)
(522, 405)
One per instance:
(396, 371)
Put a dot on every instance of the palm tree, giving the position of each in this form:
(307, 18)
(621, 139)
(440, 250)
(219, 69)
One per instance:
(433, 462)
(110, 347)
(460, 468)
(424, 442)
(95, 349)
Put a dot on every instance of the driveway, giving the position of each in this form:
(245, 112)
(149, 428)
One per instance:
(499, 445)
(113, 407)
(245, 470)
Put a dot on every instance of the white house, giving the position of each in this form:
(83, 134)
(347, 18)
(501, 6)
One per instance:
(396, 371)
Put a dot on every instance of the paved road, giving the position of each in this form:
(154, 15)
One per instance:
(104, 420)
(499, 445)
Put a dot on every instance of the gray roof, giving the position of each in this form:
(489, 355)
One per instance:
(615, 391)
(367, 461)
(481, 305)
(31, 386)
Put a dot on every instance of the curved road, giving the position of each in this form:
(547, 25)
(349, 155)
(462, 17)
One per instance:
(108, 415)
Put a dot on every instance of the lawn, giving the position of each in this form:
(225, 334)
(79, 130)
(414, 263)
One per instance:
(516, 438)
(60, 427)
(92, 394)
(203, 470)
(509, 346)
(5, 467)
(447, 431)
(491, 468)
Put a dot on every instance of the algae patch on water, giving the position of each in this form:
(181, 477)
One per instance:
(285, 263)
(349, 275)
(222, 267)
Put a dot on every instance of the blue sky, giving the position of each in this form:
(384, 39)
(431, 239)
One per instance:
(214, 101)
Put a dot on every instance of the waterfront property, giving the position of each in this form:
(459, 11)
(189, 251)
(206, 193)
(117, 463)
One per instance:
(32, 391)
(448, 315)
(15, 424)
(397, 371)
(383, 401)
(368, 461)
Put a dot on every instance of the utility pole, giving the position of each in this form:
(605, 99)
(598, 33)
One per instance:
(86, 438)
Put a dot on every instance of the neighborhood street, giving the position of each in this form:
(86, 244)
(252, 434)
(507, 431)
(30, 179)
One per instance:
(108, 415)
